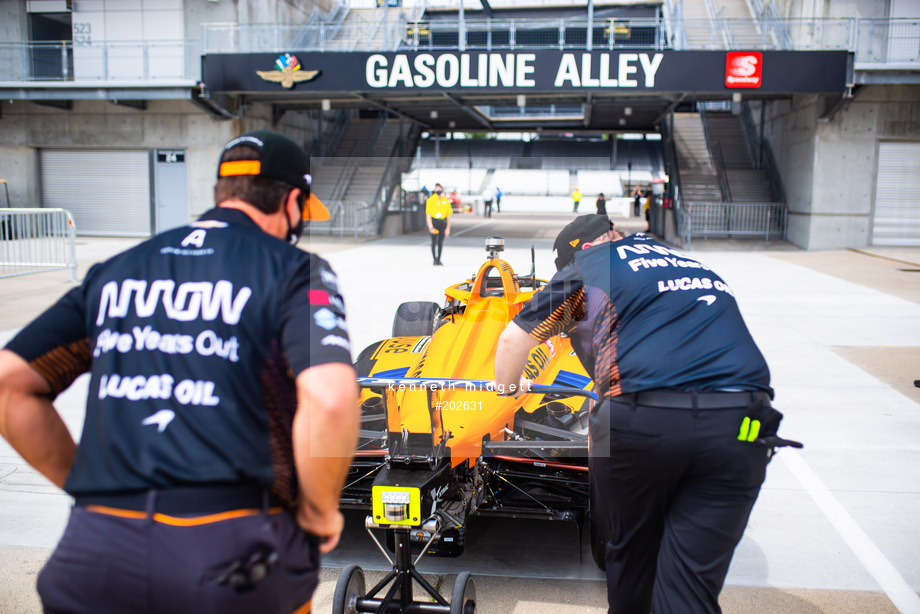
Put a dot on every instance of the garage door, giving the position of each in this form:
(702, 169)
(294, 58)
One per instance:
(897, 195)
(108, 192)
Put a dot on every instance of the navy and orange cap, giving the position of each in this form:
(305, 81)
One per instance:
(584, 229)
(278, 158)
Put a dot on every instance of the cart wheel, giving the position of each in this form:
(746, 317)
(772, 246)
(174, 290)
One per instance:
(348, 589)
(463, 598)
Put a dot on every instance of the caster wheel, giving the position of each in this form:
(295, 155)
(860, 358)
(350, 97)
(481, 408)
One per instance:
(463, 597)
(348, 589)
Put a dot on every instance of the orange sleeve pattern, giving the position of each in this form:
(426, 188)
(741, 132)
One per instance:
(563, 318)
(62, 365)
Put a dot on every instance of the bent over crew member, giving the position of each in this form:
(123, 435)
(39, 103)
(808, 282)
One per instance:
(676, 371)
(222, 408)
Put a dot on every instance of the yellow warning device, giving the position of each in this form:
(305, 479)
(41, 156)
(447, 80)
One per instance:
(396, 505)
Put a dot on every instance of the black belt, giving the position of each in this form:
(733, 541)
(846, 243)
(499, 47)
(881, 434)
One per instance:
(691, 399)
(197, 499)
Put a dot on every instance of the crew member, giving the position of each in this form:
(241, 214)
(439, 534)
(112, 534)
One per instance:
(601, 204)
(576, 200)
(222, 408)
(437, 216)
(678, 376)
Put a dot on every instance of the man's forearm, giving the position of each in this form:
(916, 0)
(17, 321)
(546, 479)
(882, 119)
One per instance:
(325, 435)
(37, 433)
(29, 422)
(514, 347)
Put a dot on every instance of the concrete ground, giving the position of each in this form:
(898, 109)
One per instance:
(835, 527)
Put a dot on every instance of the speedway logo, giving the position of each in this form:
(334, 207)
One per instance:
(743, 69)
(288, 72)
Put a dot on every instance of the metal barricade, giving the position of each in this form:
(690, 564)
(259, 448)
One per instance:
(347, 217)
(702, 220)
(37, 241)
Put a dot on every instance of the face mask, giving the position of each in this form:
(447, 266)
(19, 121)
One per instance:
(437, 191)
(295, 230)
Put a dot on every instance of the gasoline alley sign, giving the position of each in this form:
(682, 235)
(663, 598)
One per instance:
(538, 70)
(448, 70)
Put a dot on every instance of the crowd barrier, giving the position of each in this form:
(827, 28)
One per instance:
(703, 220)
(36, 241)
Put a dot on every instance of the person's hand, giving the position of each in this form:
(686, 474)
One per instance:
(327, 528)
(447, 232)
(524, 385)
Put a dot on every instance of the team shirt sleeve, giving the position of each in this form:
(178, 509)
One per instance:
(56, 343)
(556, 307)
(314, 331)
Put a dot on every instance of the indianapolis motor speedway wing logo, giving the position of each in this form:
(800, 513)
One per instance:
(288, 72)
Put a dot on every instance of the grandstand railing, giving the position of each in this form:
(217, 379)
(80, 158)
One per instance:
(146, 61)
(874, 41)
(762, 154)
(36, 241)
(710, 220)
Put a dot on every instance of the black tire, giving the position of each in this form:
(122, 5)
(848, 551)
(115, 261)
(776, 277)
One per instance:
(348, 589)
(463, 597)
(415, 319)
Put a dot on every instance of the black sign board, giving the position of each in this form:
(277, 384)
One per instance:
(623, 71)
(170, 155)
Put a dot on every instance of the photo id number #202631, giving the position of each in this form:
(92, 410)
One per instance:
(458, 405)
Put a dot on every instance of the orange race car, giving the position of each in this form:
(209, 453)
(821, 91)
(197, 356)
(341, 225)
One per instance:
(440, 446)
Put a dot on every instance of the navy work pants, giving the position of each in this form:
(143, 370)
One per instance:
(437, 240)
(674, 496)
(126, 561)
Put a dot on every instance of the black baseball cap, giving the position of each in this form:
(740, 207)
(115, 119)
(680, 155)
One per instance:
(584, 229)
(278, 158)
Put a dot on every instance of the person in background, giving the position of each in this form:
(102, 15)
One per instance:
(437, 216)
(601, 204)
(637, 201)
(222, 409)
(576, 199)
(488, 196)
(498, 199)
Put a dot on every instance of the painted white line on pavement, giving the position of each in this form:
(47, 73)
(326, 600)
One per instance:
(891, 581)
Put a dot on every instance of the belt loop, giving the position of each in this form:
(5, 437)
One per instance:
(151, 504)
(695, 409)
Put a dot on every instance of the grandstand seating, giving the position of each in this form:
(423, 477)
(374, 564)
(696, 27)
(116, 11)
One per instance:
(542, 167)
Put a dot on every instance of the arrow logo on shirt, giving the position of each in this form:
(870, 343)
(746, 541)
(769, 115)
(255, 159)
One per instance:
(162, 419)
(710, 299)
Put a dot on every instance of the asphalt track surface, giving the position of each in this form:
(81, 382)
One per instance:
(835, 528)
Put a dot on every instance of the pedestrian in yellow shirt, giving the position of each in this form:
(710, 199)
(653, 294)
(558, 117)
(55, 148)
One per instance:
(576, 197)
(437, 215)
